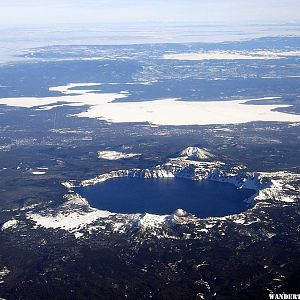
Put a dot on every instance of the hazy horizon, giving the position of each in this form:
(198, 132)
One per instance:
(55, 12)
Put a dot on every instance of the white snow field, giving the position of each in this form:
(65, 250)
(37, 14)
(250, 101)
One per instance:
(158, 112)
(231, 55)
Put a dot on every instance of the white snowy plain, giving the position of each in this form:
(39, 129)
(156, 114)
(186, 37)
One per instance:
(231, 55)
(159, 112)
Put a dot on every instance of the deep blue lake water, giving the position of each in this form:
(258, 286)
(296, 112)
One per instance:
(164, 196)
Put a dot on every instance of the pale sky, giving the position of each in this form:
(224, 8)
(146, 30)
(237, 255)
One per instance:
(18, 12)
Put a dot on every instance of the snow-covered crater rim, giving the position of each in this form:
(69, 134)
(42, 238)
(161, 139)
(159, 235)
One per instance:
(266, 185)
(78, 217)
(182, 167)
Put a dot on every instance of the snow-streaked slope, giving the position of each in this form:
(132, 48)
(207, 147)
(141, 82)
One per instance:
(196, 153)
(72, 215)
(4, 271)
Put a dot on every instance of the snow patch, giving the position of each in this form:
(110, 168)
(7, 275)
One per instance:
(38, 172)
(78, 235)
(115, 155)
(68, 221)
(180, 213)
(152, 221)
(11, 224)
(3, 273)
(72, 216)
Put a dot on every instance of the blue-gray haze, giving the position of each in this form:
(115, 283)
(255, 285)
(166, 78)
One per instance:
(17, 12)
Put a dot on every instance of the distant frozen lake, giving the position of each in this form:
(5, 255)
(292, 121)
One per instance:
(159, 112)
